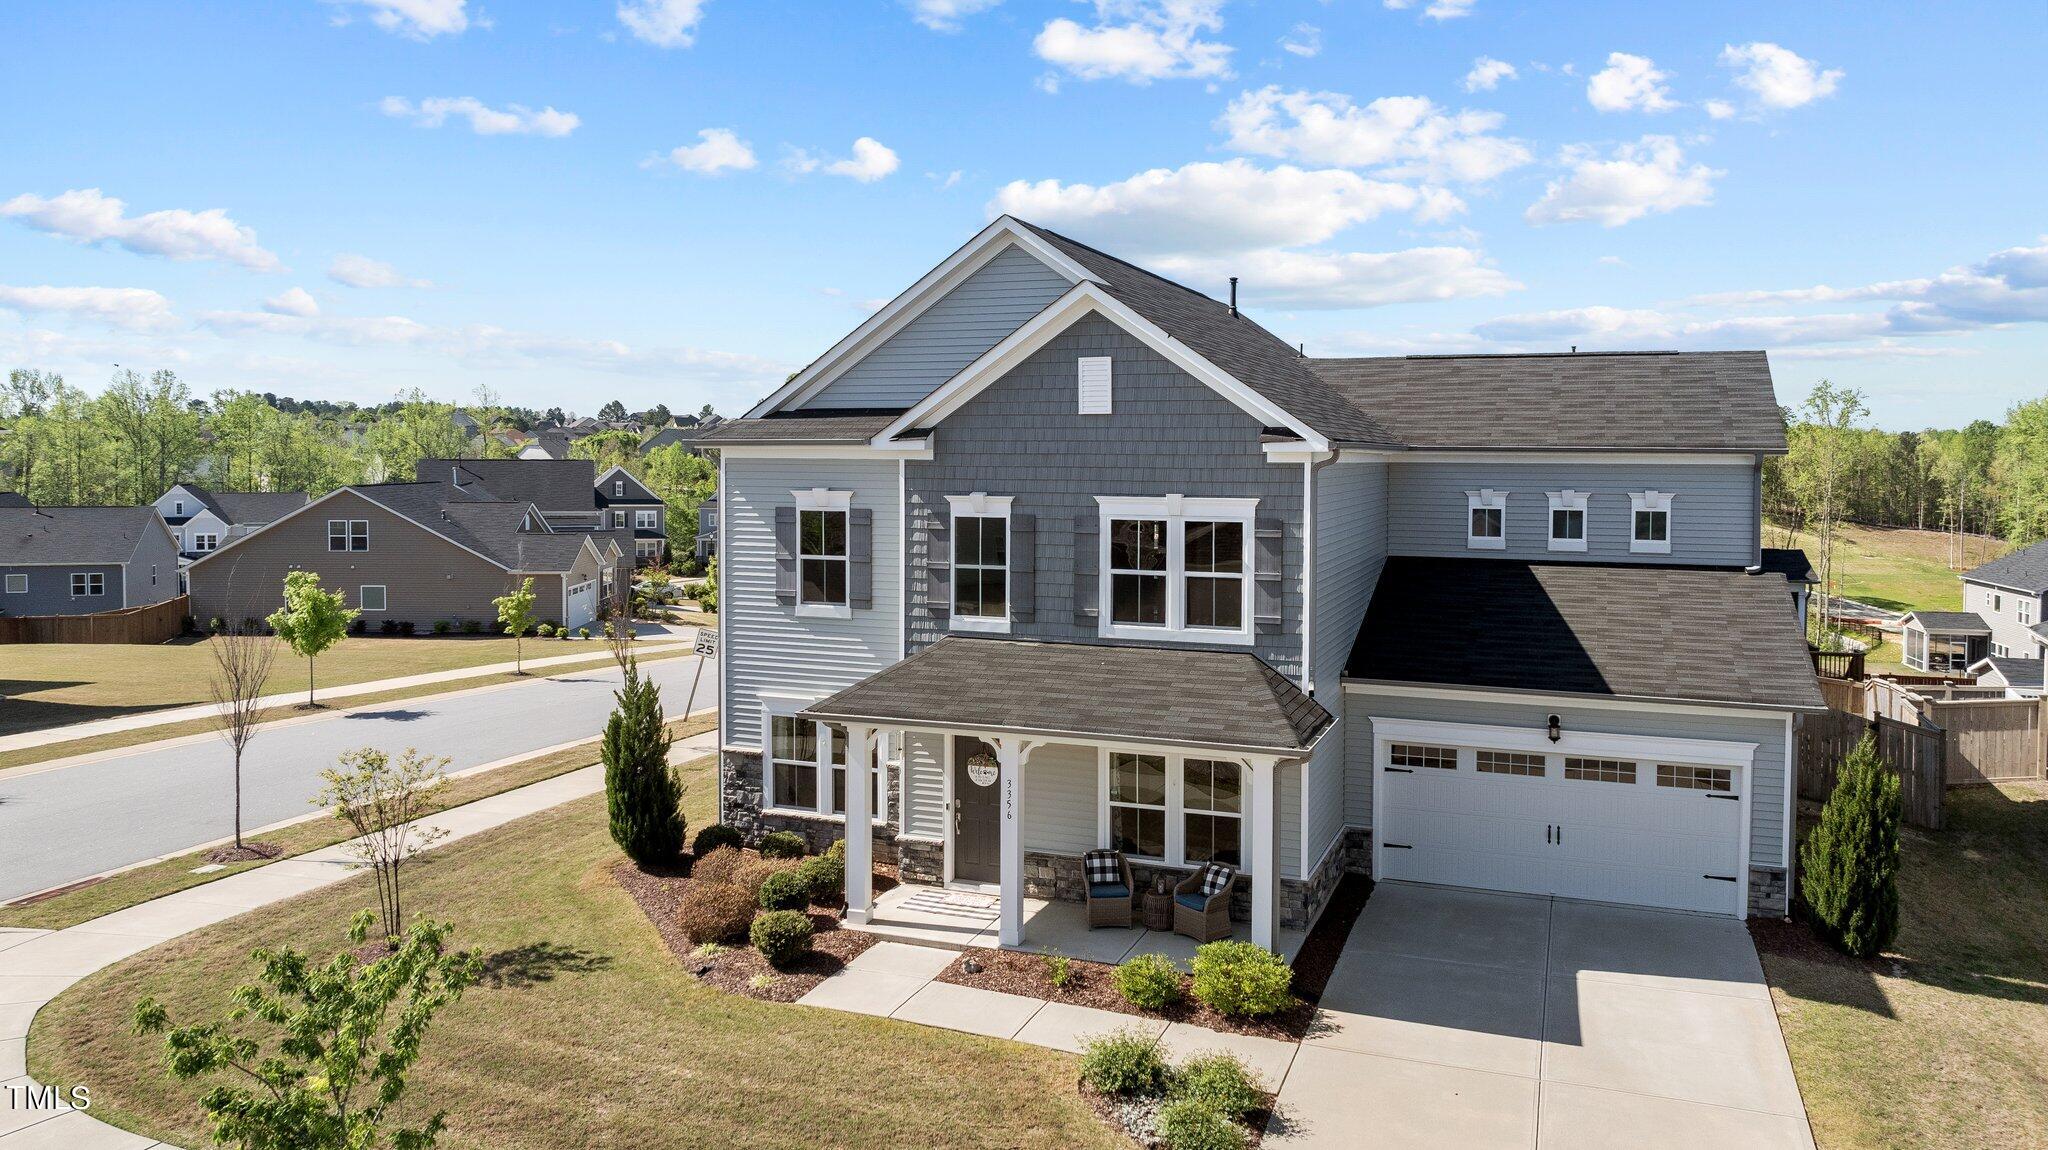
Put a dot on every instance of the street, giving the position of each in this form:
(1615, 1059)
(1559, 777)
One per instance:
(62, 825)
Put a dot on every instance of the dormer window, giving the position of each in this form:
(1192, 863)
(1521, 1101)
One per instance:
(1486, 527)
(618, 489)
(1568, 520)
(1650, 533)
(1095, 385)
(178, 508)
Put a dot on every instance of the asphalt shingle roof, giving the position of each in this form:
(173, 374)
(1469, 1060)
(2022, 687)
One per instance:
(2023, 570)
(1624, 630)
(255, 506)
(2025, 674)
(1952, 622)
(1182, 697)
(1617, 401)
(97, 535)
(833, 425)
(550, 484)
(488, 527)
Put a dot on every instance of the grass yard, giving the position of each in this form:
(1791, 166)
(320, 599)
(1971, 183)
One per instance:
(55, 684)
(586, 1032)
(1897, 568)
(1942, 1043)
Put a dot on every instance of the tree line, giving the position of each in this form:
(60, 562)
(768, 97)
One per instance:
(62, 446)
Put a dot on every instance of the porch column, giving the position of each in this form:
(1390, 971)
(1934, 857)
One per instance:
(1010, 800)
(1265, 848)
(860, 830)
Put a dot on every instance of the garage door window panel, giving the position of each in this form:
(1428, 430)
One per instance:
(1600, 770)
(1694, 778)
(1411, 756)
(1509, 763)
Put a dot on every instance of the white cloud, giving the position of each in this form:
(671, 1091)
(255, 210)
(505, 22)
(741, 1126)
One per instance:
(720, 151)
(484, 120)
(1629, 84)
(363, 272)
(946, 181)
(294, 301)
(1304, 40)
(1719, 109)
(871, 160)
(1322, 279)
(1139, 41)
(946, 15)
(1408, 135)
(419, 19)
(1616, 328)
(137, 309)
(1435, 9)
(1778, 78)
(1210, 207)
(1650, 175)
(89, 216)
(2005, 287)
(662, 23)
(1487, 73)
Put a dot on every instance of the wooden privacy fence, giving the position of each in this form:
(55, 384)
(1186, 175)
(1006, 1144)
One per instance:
(152, 624)
(1989, 740)
(1916, 752)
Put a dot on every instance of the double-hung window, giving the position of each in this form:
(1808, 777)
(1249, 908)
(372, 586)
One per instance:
(981, 562)
(1650, 532)
(1175, 567)
(1567, 520)
(1486, 515)
(348, 535)
(644, 520)
(1137, 804)
(807, 768)
(2025, 607)
(205, 541)
(1212, 811)
(618, 489)
(793, 767)
(1174, 809)
(821, 557)
(88, 583)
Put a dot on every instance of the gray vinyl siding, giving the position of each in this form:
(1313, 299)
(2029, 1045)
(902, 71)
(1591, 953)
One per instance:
(770, 648)
(157, 555)
(1287, 778)
(1060, 786)
(49, 590)
(1168, 434)
(426, 577)
(924, 783)
(1713, 517)
(975, 316)
(1351, 548)
(1767, 730)
(2006, 629)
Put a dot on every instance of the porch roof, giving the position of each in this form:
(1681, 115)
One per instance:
(1225, 700)
(1951, 622)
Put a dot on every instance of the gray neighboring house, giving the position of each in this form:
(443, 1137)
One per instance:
(2008, 594)
(1052, 554)
(84, 560)
(202, 519)
(2000, 636)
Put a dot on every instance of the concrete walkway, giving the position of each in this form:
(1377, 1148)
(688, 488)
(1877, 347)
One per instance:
(657, 641)
(38, 965)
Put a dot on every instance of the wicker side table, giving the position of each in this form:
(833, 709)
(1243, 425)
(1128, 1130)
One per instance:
(1159, 910)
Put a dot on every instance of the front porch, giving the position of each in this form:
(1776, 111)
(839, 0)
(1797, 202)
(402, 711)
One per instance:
(955, 919)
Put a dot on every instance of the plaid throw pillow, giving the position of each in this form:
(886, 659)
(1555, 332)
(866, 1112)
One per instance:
(1101, 867)
(1216, 878)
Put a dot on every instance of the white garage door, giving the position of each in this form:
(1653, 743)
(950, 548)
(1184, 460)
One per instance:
(1597, 821)
(582, 606)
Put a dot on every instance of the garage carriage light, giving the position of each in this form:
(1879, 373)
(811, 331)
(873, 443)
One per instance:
(1556, 729)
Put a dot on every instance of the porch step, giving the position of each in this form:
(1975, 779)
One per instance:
(934, 916)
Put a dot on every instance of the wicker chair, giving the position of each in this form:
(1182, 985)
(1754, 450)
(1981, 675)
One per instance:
(1107, 909)
(1212, 920)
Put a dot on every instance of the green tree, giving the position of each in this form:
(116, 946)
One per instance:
(332, 1072)
(1822, 447)
(2020, 465)
(684, 480)
(609, 449)
(1849, 863)
(311, 620)
(515, 611)
(640, 790)
(385, 804)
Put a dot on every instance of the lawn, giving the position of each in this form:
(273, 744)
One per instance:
(1943, 1042)
(1896, 568)
(56, 684)
(586, 1033)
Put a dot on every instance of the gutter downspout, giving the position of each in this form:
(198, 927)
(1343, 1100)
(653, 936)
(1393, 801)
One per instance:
(1309, 468)
(1757, 485)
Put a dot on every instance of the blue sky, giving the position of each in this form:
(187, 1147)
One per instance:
(681, 201)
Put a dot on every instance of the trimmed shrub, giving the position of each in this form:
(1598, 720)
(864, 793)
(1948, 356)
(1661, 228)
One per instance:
(641, 794)
(442, 627)
(714, 836)
(785, 890)
(1218, 1081)
(1849, 864)
(1242, 979)
(583, 632)
(826, 877)
(1189, 1125)
(784, 845)
(715, 912)
(472, 627)
(717, 865)
(749, 875)
(782, 936)
(1148, 981)
(543, 630)
(1123, 1062)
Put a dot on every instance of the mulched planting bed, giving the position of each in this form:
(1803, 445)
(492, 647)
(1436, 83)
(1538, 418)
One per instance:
(658, 892)
(244, 853)
(1134, 1115)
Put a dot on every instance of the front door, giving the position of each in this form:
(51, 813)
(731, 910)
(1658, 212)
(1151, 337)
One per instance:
(977, 835)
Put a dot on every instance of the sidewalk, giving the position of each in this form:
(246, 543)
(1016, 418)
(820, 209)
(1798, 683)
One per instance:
(38, 965)
(75, 731)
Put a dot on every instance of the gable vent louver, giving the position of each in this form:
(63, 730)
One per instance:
(1095, 384)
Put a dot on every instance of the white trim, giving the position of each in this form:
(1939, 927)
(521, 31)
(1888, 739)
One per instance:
(906, 449)
(912, 302)
(821, 499)
(1290, 451)
(724, 642)
(902, 565)
(1086, 739)
(1173, 805)
(1176, 511)
(1597, 702)
(1486, 499)
(1095, 385)
(1308, 585)
(11, 588)
(1639, 502)
(1056, 318)
(1568, 500)
(384, 591)
(1541, 455)
(977, 505)
(1789, 856)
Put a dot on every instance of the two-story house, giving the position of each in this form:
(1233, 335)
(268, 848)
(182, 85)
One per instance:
(2000, 635)
(630, 506)
(201, 519)
(1053, 554)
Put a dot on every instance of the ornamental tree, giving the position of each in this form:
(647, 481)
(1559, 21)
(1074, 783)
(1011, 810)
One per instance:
(515, 611)
(311, 620)
(640, 791)
(1849, 864)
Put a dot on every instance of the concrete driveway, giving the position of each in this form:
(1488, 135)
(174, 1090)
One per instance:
(1461, 1019)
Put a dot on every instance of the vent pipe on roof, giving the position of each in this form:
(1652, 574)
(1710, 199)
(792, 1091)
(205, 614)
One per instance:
(1233, 295)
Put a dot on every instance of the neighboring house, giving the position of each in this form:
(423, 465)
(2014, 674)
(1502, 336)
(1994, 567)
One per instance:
(707, 528)
(84, 560)
(1943, 641)
(201, 519)
(551, 444)
(2008, 592)
(630, 506)
(1080, 558)
(1999, 634)
(440, 548)
(672, 435)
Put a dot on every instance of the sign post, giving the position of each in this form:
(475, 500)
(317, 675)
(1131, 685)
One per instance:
(706, 648)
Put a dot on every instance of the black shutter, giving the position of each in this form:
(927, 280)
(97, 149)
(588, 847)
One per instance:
(1266, 592)
(1023, 567)
(860, 557)
(785, 554)
(1086, 581)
